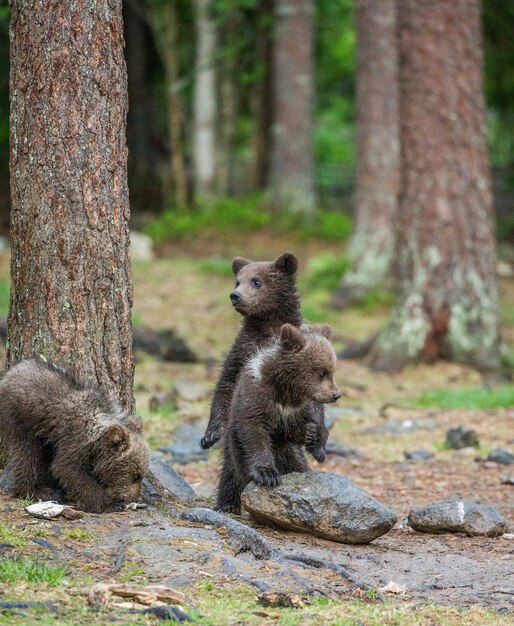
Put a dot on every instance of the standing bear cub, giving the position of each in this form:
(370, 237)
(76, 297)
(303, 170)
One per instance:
(62, 435)
(265, 295)
(270, 415)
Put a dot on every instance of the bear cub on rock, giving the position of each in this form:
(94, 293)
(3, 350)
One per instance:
(271, 413)
(62, 435)
(265, 295)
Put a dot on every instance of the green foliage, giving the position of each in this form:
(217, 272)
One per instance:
(15, 570)
(473, 398)
(4, 296)
(324, 271)
(231, 215)
(376, 299)
(216, 265)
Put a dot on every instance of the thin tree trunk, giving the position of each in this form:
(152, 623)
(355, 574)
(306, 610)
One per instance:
(448, 304)
(262, 97)
(292, 160)
(71, 293)
(378, 151)
(163, 21)
(228, 109)
(205, 103)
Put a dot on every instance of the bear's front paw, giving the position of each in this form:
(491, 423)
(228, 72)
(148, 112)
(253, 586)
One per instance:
(266, 476)
(95, 503)
(317, 453)
(209, 439)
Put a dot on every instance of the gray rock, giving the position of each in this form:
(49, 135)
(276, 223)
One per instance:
(458, 516)
(336, 413)
(323, 504)
(418, 455)
(186, 442)
(461, 437)
(141, 246)
(171, 480)
(508, 479)
(403, 426)
(340, 449)
(502, 456)
(163, 399)
(190, 390)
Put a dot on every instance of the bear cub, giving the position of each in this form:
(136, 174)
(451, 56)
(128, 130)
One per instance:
(271, 413)
(62, 435)
(265, 295)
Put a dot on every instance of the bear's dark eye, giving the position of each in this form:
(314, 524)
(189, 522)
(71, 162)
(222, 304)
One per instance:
(237, 283)
(256, 282)
(323, 374)
(137, 478)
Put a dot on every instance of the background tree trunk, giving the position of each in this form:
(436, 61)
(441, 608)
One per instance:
(205, 102)
(262, 96)
(292, 160)
(378, 150)
(71, 292)
(448, 304)
(163, 20)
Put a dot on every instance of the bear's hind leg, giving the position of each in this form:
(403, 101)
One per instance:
(229, 490)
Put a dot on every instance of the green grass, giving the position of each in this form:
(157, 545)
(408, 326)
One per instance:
(4, 297)
(14, 570)
(14, 536)
(218, 607)
(78, 534)
(231, 215)
(473, 398)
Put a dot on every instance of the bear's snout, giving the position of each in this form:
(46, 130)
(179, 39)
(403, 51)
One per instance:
(235, 296)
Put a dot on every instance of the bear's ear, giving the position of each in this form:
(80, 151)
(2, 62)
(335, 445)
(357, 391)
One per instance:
(324, 330)
(287, 263)
(117, 436)
(238, 262)
(134, 422)
(291, 338)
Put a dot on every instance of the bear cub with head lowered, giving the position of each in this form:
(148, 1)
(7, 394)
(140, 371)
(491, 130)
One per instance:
(265, 295)
(270, 417)
(62, 435)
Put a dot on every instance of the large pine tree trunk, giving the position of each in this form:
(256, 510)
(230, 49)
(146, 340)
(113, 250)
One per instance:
(378, 150)
(205, 102)
(448, 305)
(292, 159)
(71, 290)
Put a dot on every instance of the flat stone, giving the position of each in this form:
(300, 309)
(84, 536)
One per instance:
(458, 516)
(190, 390)
(418, 455)
(186, 442)
(141, 246)
(340, 449)
(508, 479)
(399, 427)
(323, 504)
(171, 480)
(461, 437)
(502, 456)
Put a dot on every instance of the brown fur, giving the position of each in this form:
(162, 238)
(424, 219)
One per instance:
(271, 413)
(61, 434)
(265, 295)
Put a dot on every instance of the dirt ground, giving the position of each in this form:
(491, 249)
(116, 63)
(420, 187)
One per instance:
(378, 417)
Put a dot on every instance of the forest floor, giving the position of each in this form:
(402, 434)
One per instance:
(447, 579)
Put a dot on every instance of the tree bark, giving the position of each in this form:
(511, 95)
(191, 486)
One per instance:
(378, 151)
(71, 293)
(292, 160)
(205, 103)
(448, 305)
